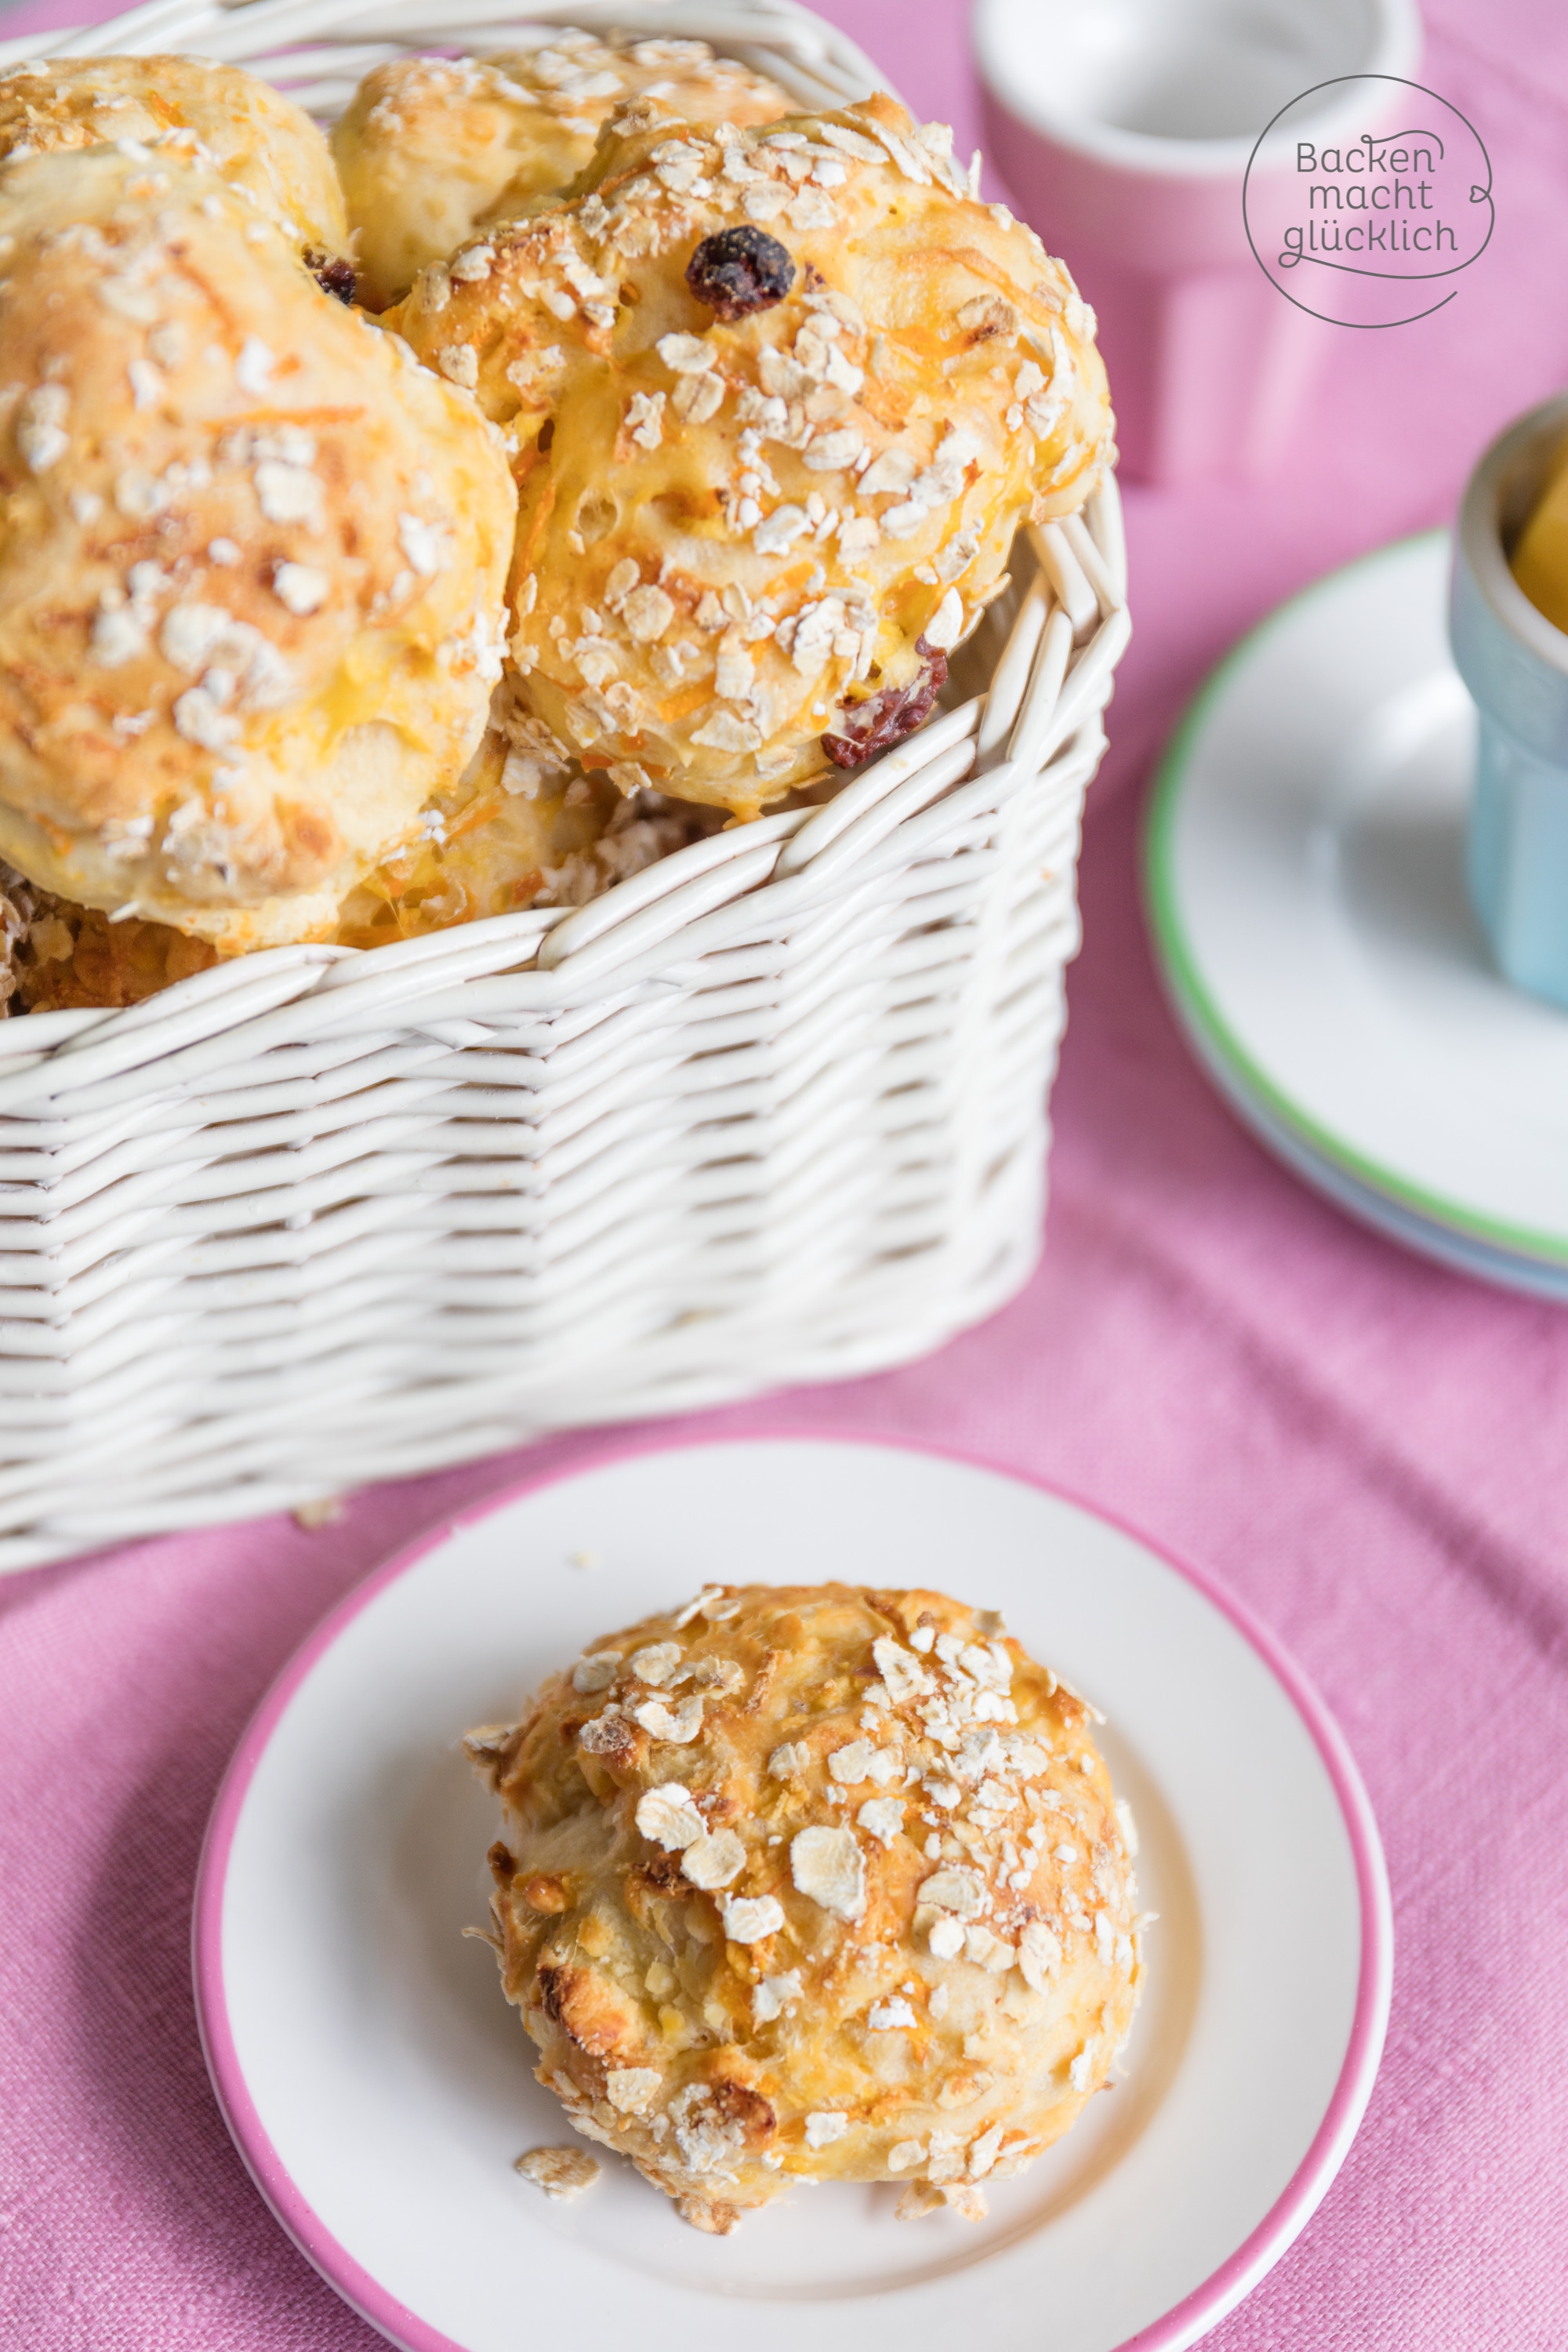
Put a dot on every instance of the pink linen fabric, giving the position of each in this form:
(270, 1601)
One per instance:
(1369, 1449)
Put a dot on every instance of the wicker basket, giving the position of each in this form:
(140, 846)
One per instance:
(771, 1111)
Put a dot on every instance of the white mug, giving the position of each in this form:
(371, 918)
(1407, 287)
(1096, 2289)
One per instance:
(1124, 129)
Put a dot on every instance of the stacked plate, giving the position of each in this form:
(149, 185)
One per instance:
(1306, 887)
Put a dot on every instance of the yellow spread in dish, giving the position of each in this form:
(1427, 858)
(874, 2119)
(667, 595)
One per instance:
(1541, 559)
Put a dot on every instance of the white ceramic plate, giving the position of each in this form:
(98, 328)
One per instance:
(1536, 1277)
(1306, 885)
(379, 2087)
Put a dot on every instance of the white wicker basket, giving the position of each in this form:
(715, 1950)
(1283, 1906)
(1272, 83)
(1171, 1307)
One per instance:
(771, 1111)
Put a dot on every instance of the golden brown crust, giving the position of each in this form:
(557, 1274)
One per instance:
(524, 828)
(249, 583)
(814, 1883)
(521, 830)
(259, 141)
(727, 527)
(429, 148)
(57, 957)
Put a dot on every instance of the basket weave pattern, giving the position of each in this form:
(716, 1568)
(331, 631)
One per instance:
(771, 1111)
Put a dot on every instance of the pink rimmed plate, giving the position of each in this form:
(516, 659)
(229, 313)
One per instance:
(379, 2087)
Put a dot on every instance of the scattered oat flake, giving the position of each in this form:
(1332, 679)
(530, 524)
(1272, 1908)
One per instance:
(596, 1673)
(747, 1919)
(683, 1617)
(773, 1995)
(776, 534)
(724, 731)
(655, 1663)
(559, 2171)
(852, 143)
(288, 494)
(606, 1735)
(459, 363)
(117, 637)
(1039, 1951)
(685, 354)
(253, 368)
(322, 1510)
(789, 1760)
(697, 398)
(632, 2090)
(485, 1738)
(711, 1862)
(824, 2127)
(421, 542)
(300, 588)
(679, 1724)
(904, 1674)
(883, 1816)
(668, 1816)
(828, 1866)
(723, 1676)
(945, 626)
(962, 1892)
(919, 2199)
(648, 613)
(889, 2016)
(645, 419)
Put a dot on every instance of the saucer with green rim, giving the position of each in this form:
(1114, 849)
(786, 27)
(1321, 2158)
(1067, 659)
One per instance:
(1305, 881)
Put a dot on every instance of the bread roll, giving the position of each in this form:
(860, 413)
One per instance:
(250, 582)
(258, 142)
(816, 1883)
(430, 148)
(777, 400)
(524, 828)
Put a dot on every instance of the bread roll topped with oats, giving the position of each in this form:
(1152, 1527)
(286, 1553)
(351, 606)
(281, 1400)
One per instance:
(250, 582)
(258, 142)
(517, 829)
(814, 1883)
(430, 149)
(777, 400)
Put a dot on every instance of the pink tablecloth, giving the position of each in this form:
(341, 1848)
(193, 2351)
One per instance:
(1370, 1450)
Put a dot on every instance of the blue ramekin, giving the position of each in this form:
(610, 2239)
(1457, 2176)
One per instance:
(1515, 664)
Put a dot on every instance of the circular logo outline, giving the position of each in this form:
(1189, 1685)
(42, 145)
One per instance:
(1477, 195)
